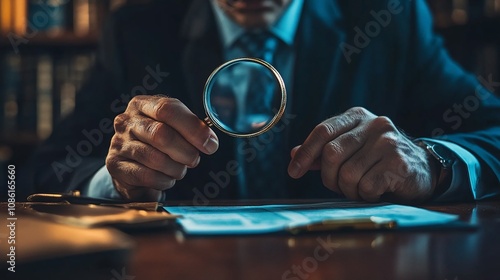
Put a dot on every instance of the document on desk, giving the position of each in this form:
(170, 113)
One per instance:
(229, 220)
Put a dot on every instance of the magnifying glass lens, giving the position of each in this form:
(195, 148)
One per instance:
(245, 97)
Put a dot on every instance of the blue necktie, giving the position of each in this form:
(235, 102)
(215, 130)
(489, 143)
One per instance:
(261, 45)
(262, 175)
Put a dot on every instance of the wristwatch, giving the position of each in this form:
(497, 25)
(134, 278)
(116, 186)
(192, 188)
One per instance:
(445, 159)
(440, 153)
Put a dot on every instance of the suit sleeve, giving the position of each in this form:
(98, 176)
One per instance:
(466, 107)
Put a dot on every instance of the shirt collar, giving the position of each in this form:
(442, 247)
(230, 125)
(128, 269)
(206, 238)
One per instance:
(284, 28)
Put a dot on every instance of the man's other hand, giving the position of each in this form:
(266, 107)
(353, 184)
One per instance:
(364, 156)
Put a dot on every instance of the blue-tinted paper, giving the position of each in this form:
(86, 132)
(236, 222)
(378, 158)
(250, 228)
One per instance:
(223, 220)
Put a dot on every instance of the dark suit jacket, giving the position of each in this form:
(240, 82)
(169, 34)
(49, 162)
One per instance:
(403, 73)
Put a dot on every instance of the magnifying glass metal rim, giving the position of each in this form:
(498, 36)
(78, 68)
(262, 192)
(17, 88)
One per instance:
(210, 120)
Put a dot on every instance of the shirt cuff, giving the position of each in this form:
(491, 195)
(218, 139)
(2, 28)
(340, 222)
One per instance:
(465, 174)
(101, 186)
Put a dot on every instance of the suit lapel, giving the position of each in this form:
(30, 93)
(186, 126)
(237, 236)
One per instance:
(200, 56)
(319, 65)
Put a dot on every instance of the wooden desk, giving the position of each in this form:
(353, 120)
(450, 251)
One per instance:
(450, 254)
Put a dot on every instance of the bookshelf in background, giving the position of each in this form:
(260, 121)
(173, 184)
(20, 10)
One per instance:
(46, 50)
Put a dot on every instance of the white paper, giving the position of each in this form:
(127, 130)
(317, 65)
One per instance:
(223, 220)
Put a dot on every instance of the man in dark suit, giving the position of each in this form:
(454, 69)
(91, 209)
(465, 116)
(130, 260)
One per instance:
(358, 73)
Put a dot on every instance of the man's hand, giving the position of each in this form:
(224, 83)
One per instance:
(364, 156)
(156, 139)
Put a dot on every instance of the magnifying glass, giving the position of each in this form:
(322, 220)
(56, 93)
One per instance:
(244, 97)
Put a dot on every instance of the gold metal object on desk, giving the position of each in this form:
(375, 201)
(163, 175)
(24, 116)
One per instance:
(356, 223)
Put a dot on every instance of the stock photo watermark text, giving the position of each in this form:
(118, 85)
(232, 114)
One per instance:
(11, 218)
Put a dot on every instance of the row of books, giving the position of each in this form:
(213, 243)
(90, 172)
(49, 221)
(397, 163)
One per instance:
(39, 84)
(37, 90)
(53, 17)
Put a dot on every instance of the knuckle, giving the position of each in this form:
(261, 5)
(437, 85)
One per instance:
(358, 111)
(384, 123)
(111, 162)
(143, 154)
(135, 102)
(379, 180)
(165, 108)
(117, 143)
(389, 139)
(353, 139)
(120, 123)
(137, 99)
(331, 152)
(120, 119)
(324, 131)
(160, 133)
(155, 130)
(347, 176)
(349, 167)
(366, 186)
(390, 180)
(166, 135)
(113, 165)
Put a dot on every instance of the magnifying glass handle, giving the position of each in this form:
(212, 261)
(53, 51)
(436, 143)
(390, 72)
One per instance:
(208, 121)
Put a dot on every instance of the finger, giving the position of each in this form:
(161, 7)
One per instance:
(139, 193)
(350, 178)
(335, 154)
(325, 132)
(374, 183)
(316, 165)
(166, 139)
(134, 174)
(381, 177)
(152, 158)
(361, 161)
(387, 178)
(174, 113)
